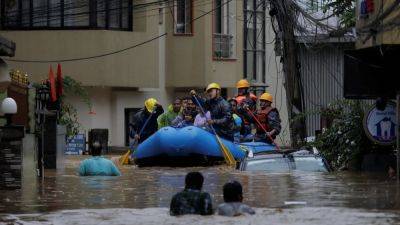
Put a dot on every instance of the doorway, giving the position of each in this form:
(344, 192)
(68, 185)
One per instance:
(129, 113)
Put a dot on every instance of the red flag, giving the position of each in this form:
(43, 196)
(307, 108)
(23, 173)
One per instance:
(52, 81)
(59, 81)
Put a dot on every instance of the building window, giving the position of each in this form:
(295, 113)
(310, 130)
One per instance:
(224, 29)
(66, 14)
(254, 40)
(183, 17)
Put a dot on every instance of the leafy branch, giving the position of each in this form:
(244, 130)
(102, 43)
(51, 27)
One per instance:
(344, 142)
(69, 115)
(68, 112)
(344, 9)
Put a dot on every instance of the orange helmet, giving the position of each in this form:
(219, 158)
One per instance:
(242, 84)
(267, 97)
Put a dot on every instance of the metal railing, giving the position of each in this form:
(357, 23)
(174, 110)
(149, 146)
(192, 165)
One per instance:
(223, 45)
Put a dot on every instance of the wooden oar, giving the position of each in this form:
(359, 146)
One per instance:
(229, 159)
(125, 158)
(262, 127)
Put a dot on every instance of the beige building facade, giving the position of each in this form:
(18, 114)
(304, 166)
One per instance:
(165, 54)
(378, 24)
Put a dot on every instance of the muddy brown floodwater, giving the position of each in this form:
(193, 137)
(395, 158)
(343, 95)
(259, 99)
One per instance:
(142, 196)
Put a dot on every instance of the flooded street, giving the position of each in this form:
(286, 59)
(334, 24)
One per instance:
(141, 193)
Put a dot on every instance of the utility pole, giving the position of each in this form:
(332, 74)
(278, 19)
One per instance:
(283, 11)
(398, 136)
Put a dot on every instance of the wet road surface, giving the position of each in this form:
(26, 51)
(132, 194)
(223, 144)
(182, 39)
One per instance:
(141, 193)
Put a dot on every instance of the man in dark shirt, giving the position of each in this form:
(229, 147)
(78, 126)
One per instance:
(151, 111)
(192, 200)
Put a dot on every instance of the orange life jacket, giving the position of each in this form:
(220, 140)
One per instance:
(262, 116)
(240, 98)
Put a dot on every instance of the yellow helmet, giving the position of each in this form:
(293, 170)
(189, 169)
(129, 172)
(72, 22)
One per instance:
(213, 86)
(266, 96)
(242, 84)
(150, 104)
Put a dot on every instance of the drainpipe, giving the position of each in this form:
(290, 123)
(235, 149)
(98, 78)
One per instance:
(161, 55)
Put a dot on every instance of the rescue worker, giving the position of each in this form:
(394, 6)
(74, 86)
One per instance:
(268, 117)
(167, 117)
(151, 109)
(245, 97)
(220, 110)
(192, 200)
(98, 165)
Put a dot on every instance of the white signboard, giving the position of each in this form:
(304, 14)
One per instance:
(380, 126)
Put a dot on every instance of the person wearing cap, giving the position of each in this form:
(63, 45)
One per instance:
(268, 117)
(220, 111)
(244, 95)
(248, 99)
(97, 165)
(151, 109)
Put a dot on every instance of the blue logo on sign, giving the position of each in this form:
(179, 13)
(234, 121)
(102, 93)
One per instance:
(380, 126)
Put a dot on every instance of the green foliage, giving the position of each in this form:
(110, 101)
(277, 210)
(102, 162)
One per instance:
(344, 9)
(69, 115)
(75, 88)
(69, 118)
(344, 143)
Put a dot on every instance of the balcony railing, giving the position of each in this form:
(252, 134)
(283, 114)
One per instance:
(223, 46)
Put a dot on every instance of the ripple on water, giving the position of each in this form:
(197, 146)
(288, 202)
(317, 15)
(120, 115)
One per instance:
(154, 187)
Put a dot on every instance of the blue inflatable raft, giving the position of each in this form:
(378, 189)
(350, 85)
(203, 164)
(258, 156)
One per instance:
(189, 146)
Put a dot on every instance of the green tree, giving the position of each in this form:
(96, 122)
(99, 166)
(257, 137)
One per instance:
(344, 9)
(344, 143)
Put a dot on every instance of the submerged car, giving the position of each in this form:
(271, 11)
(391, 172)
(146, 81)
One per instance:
(278, 161)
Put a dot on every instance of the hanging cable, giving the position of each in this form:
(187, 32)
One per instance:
(113, 52)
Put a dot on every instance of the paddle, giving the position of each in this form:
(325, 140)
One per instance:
(125, 158)
(262, 127)
(229, 159)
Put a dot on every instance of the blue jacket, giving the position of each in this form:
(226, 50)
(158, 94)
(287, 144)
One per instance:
(98, 166)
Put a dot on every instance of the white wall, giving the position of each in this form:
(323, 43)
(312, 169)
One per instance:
(275, 80)
(109, 107)
(101, 98)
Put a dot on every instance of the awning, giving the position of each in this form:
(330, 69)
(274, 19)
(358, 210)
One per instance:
(372, 72)
(7, 47)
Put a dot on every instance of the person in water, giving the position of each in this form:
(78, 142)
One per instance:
(192, 200)
(98, 165)
(233, 197)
